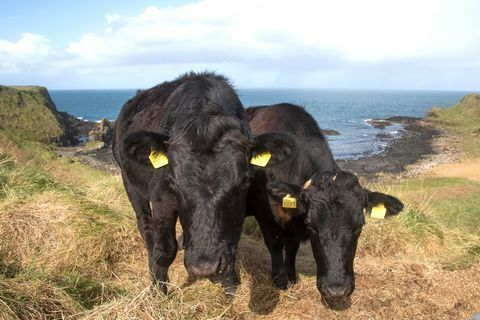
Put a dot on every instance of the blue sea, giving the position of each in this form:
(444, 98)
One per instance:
(345, 111)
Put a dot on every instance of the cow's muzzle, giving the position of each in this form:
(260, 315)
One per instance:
(204, 267)
(336, 291)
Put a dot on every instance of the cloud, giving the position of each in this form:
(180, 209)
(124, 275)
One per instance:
(30, 50)
(286, 35)
(273, 31)
(268, 43)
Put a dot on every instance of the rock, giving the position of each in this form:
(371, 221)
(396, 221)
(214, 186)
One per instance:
(432, 113)
(404, 119)
(384, 136)
(379, 124)
(94, 145)
(76, 129)
(329, 132)
(101, 132)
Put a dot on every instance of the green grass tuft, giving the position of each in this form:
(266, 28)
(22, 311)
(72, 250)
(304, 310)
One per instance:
(419, 223)
(86, 291)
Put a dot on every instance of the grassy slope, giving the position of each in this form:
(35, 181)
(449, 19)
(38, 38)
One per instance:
(69, 248)
(462, 119)
(30, 113)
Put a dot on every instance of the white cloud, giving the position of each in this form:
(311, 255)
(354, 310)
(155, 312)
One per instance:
(267, 43)
(273, 31)
(30, 50)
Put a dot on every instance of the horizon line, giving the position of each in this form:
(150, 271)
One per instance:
(274, 88)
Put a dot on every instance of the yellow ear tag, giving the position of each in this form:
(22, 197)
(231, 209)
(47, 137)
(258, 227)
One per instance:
(289, 202)
(261, 159)
(158, 158)
(379, 211)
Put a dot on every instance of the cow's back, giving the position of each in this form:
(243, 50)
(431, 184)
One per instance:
(313, 152)
(284, 117)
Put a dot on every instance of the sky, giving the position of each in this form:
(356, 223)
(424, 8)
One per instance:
(368, 44)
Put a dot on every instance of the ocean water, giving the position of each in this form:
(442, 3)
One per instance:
(345, 111)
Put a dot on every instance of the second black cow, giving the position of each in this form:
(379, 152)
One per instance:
(308, 196)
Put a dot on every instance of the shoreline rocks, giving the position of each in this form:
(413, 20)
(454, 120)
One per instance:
(379, 123)
(329, 132)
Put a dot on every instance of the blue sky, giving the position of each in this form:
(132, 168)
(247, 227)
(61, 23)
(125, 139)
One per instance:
(373, 44)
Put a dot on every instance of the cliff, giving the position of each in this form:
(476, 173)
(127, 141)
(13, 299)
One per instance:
(30, 113)
(464, 120)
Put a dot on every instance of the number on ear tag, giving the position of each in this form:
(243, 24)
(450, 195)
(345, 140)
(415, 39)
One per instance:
(379, 211)
(158, 158)
(289, 202)
(261, 159)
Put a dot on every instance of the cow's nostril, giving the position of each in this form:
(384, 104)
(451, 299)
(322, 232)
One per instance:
(336, 291)
(204, 268)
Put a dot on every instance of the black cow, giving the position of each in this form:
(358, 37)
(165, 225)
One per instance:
(183, 149)
(329, 208)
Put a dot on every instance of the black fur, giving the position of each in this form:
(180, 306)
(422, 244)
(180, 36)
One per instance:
(198, 121)
(329, 212)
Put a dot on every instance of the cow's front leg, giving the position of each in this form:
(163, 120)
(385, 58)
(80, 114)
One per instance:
(143, 214)
(291, 249)
(279, 272)
(229, 277)
(275, 243)
(164, 218)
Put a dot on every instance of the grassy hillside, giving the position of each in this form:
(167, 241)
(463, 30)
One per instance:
(463, 120)
(69, 248)
(30, 112)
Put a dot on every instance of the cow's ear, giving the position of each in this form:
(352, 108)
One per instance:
(382, 204)
(287, 200)
(271, 148)
(147, 148)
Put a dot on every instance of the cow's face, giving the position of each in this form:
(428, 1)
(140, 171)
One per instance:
(210, 183)
(333, 206)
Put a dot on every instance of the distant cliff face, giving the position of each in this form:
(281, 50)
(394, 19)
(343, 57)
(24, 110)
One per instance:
(29, 112)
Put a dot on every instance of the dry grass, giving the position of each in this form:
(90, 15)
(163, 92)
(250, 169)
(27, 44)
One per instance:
(469, 169)
(69, 249)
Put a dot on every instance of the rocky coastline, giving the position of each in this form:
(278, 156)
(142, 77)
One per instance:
(415, 146)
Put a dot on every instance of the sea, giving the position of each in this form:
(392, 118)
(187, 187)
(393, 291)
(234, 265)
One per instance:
(346, 111)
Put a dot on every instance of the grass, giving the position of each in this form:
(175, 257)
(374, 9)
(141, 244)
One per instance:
(69, 248)
(462, 119)
(30, 113)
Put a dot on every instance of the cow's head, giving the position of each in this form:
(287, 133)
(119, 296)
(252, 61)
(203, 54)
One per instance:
(333, 206)
(209, 173)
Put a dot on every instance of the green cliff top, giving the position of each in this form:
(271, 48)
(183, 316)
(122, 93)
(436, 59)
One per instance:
(464, 119)
(30, 113)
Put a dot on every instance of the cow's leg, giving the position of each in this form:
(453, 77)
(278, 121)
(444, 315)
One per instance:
(164, 218)
(257, 205)
(143, 213)
(291, 249)
(275, 243)
(229, 277)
